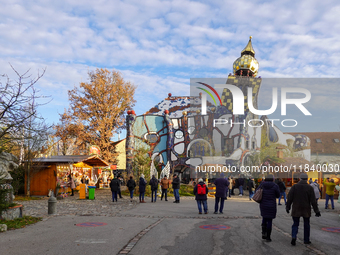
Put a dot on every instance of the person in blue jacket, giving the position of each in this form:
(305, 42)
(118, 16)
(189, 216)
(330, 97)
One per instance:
(268, 205)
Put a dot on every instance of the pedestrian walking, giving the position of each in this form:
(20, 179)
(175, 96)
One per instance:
(301, 197)
(233, 186)
(220, 194)
(142, 186)
(270, 191)
(226, 189)
(230, 180)
(165, 186)
(241, 183)
(131, 184)
(201, 191)
(120, 184)
(154, 186)
(315, 186)
(337, 187)
(282, 188)
(251, 186)
(176, 184)
(329, 185)
(115, 186)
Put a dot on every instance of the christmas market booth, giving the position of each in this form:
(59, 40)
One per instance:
(50, 173)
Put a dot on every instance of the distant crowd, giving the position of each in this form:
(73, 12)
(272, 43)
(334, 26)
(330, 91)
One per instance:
(300, 199)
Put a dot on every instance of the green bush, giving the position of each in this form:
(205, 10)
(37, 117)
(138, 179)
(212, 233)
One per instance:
(3, 201)
(18, 182)
(186, 190)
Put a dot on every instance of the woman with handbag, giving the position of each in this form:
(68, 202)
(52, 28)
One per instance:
(270, 191)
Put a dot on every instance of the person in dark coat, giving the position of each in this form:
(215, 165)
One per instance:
(120, 184)
(154, 186)
(201, 198)
(115, 186)
(268, 205)
(251, 186)
(220, 194)
(142, 186)
(301, 197)
(131, 184)
(241, 183)
(176, 184)
(282, 188)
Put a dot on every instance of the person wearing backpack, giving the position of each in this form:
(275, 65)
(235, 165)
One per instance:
(200, 192)
(154, 186)
(131, 184)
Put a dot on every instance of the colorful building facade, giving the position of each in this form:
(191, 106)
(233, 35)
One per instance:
(181, 136)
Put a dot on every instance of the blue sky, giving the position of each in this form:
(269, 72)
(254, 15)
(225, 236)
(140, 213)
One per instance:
(160, 45)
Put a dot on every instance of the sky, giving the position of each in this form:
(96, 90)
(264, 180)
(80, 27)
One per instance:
(160, 45)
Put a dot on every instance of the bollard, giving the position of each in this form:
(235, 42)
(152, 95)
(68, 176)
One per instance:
(52, 205)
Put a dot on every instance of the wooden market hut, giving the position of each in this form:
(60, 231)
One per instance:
(43, 175)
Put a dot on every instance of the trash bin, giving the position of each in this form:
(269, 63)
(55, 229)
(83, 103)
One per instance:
(82, 191)
(91, 191)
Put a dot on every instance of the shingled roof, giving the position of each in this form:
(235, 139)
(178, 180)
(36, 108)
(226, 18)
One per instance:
(323, 142)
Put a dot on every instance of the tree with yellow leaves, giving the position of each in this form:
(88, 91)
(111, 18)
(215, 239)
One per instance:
(97, 111)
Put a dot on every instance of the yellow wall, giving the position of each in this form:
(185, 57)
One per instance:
(120, 148)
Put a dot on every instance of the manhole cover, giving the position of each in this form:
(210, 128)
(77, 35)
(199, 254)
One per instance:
(91, 224)
(215, 227)
(334, 230)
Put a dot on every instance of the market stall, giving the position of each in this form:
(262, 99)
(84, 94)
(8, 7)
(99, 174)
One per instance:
(49, 173)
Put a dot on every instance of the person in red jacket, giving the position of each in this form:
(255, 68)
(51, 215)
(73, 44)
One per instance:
(201, 191)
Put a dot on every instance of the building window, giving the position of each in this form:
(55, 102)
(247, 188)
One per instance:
(247, 144)
(318, 140)
(253, 145)
(151, 137)
(179, 134)
(336, 140)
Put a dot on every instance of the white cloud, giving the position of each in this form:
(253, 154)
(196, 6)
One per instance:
(160, 44)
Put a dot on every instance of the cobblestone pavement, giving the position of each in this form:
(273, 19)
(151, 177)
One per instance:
(102, 205)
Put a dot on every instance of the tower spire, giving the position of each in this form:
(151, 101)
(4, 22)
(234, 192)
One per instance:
(249, 50)
(246, 65)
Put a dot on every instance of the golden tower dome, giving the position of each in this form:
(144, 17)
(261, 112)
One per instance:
(246, 65)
